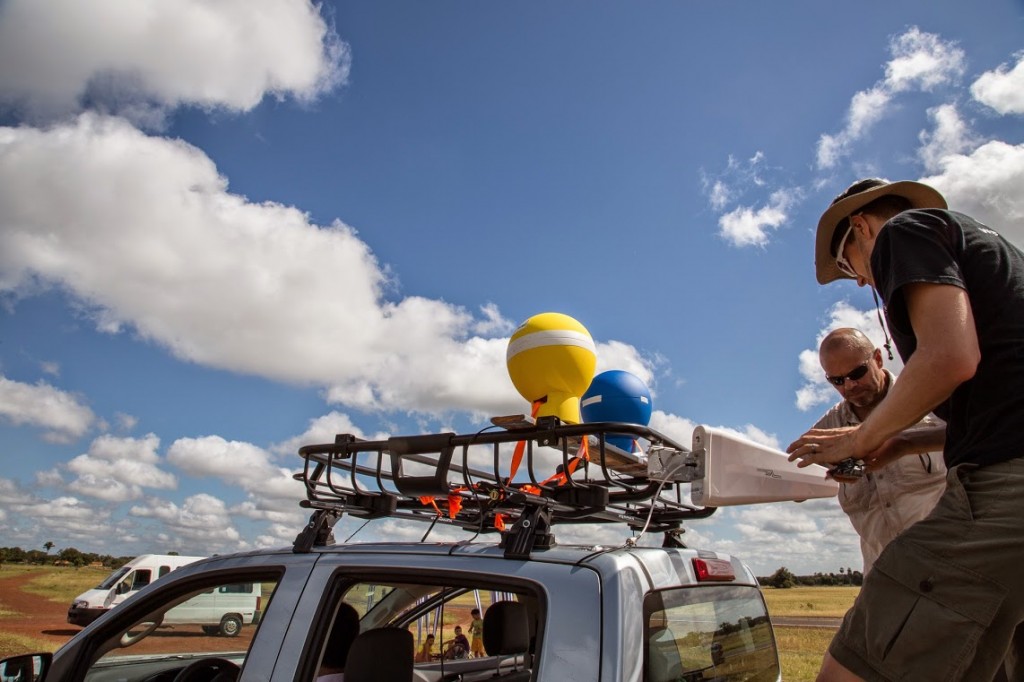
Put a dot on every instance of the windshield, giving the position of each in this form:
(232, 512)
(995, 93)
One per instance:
(112, 579)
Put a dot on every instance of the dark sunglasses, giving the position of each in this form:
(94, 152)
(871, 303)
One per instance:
(856, 375)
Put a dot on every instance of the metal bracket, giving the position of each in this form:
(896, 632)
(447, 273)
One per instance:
(318, 532)
(674, 466)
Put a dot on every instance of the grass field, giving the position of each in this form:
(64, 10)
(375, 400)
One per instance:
(801, 651)
(57, 583)
(810, 601)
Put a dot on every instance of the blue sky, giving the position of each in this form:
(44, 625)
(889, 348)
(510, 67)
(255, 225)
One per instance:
(230, 228)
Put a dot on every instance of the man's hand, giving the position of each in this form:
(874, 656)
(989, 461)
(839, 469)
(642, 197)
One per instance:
(823, 446)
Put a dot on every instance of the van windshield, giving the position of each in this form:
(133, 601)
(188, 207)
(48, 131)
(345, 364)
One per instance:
(112, 579)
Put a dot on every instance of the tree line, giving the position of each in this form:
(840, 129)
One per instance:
(784, 578)
(65, 557)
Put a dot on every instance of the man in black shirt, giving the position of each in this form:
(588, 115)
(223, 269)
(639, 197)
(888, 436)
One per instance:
(945, 598)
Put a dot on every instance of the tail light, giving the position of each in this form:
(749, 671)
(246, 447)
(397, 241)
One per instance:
(713, 569)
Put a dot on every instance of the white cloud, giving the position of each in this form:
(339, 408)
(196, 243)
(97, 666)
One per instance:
(920, 61)
(117, 469)
(816, 390)
(238, 464)
(67, 517)
(11, 493)
(262, 272)
(201, 523)
(1002, 89)
(63, 417)
(747, 226)
(139, 59)
(125, 422)
(950, 136)
(323, 429)
(680, 429)
(227, 283)
(796, 535)
(986, 184)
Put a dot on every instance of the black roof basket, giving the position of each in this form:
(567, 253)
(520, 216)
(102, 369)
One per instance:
(467, 480)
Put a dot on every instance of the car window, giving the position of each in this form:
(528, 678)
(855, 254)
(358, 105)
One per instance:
(446, 622)
(216, 619)
(718, 632)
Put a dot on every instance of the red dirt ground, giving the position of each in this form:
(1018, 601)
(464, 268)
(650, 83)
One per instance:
(41, 619)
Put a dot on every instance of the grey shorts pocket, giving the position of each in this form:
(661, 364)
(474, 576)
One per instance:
(920, 616)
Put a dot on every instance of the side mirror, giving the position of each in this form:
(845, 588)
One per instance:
(27, 668)
(123, 587)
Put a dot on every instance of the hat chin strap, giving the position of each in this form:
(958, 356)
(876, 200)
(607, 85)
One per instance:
(881, 322)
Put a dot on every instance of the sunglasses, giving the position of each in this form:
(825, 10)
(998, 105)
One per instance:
(841, 261)
(856, 375)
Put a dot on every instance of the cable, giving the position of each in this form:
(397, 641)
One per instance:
(356, 531)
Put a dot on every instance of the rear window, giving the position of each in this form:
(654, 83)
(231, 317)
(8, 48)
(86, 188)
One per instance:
(699, 633)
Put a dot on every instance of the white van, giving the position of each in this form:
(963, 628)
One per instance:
(221, 611)
(122, 583)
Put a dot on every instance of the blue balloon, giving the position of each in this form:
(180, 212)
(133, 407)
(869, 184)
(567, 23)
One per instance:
(617, 396)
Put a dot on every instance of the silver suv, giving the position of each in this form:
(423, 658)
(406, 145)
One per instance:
(529, 608)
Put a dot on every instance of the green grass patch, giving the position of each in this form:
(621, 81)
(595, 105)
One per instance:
(15, 645)
(801, 651)
(14, 570)
(62, 584)
(810, 601)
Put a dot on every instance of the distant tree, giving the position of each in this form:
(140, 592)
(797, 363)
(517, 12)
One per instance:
(72, 556)
(172, 554)
(47, 546)
(782, 579)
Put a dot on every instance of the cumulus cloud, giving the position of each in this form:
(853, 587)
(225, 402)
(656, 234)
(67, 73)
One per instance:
(61, 415)
(139, 60)
(986, 184)
(225, 282)
(750, 226)
(117, 469)
(920, 62)
(201, 523)
(950, 136)
(1003, 88)
(67, 517)
(323, 429)
(238, 464)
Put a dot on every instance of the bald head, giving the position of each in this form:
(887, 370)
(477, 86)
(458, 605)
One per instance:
(853, 366)
(845, 339)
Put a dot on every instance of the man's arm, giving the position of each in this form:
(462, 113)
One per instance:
(947, 354)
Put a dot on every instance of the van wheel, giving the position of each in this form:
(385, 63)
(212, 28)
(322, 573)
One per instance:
(211, 629)
(230, 626)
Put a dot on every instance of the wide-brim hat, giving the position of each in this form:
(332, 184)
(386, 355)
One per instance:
(857, 195)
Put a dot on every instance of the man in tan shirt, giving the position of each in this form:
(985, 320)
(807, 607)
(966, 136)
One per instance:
(882, 503)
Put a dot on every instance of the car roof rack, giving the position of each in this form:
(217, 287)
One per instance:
(492, 481)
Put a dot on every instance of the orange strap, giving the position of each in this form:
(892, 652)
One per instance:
(517, 454)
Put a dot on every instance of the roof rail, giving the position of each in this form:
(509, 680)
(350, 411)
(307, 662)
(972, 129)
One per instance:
(512, 480)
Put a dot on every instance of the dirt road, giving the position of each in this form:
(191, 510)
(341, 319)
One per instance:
(35, 617)
(43, 621)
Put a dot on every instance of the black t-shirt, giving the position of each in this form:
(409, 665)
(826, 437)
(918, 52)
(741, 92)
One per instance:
(984, 415)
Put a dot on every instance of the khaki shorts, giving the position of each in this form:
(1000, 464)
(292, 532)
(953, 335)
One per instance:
(945, 597)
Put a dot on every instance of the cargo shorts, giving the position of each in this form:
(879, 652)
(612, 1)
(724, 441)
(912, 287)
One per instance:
(945, 597)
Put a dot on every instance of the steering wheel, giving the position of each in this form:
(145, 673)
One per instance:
(211, 669)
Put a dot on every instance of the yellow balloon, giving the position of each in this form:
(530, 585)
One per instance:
(552, 357)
